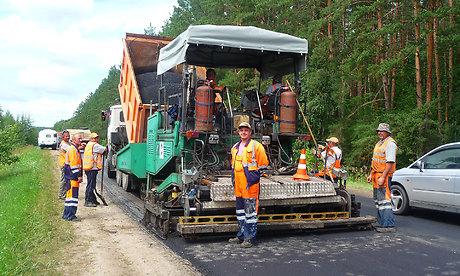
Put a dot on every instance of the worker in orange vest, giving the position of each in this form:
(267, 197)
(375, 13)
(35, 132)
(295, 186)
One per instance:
(248, 157)
(73, 176)
(332, 156)
(383, 166)
(63, 148)
(92, 163)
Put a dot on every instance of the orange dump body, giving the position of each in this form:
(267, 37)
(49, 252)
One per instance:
(140, 55)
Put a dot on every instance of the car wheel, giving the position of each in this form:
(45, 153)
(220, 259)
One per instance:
(399, 200)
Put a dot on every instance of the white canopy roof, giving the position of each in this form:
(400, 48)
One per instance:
(235, 47)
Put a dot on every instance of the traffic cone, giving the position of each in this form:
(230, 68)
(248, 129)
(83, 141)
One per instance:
(302, 168)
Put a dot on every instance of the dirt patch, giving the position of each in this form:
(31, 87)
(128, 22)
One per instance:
(360, 192)
(109, 242)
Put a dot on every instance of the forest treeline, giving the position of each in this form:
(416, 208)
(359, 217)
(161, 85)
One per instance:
(368, 62)
(14, 133)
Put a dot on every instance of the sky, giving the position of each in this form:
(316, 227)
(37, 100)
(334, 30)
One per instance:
(55, 52)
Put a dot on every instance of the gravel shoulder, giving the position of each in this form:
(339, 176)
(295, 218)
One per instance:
(109, 242)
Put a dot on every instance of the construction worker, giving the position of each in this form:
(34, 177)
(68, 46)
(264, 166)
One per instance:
(265, 100)
(73, 177)
(383, 166)
(63, 147)
(331, 156)
(92, 163)
(210, 78)
(276, 83)
(248, 157)
(219, 108)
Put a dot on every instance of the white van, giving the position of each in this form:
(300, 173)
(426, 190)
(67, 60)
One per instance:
(47, 138)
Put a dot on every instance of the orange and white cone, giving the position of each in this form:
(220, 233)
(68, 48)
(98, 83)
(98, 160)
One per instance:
(302, 168)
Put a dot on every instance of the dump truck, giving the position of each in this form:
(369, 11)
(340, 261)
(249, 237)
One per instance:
(127, 127)
(179, 143)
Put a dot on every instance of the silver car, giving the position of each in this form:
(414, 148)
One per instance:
(431, 182)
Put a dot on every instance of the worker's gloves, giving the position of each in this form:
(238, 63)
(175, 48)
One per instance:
(320, 147)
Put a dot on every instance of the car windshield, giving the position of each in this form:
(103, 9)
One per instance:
(444, 159)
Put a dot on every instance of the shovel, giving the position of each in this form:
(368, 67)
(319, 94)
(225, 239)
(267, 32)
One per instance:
(102, 184)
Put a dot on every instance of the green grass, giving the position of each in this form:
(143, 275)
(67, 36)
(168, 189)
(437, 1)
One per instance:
(359, 183)
(31, 230)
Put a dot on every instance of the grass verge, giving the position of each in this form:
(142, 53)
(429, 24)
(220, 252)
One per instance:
(360, 186)
(31, 230)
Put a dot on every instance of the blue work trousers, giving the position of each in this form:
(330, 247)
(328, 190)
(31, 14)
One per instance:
(382, 199)
(246, 214)
(90, 186)
(71, 200)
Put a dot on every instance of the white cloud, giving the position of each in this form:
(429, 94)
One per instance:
(43, 111)
(56, 13)
(55, 49)
(45, 75)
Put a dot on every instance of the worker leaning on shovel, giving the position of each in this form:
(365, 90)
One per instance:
(92, 163)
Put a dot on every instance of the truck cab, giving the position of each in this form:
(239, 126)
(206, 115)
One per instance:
(116, 136)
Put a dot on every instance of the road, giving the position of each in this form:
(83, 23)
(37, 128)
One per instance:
(425, 243)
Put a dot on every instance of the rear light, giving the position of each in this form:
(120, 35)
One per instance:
(305, 137)
(193, 134)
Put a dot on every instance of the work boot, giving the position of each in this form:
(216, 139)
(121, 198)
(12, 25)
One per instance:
(385, 229)
(246, 244)
(235, 240)
(90, 204)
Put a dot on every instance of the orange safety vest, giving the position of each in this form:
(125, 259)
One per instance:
(89, 159)
(73, 161)
(379, 159)
(253, 159)
(218, 98)
(62, 154)
(214, 86)
(336, 164)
